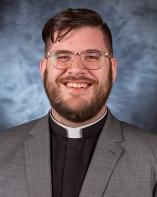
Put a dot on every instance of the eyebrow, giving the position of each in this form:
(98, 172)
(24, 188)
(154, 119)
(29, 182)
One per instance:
(65, 51)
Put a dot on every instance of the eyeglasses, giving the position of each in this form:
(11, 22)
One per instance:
(91, 59)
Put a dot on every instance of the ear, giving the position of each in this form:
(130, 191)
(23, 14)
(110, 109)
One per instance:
(114, 68)
(42, 66)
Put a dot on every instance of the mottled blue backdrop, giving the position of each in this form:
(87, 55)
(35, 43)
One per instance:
(134, 27)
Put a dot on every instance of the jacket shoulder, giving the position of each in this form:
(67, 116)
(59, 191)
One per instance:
(22, 130)
(12, 140)
(138, 139)
(134, 131)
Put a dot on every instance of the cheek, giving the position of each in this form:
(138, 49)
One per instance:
(53, 74)
(100, 75)
(104, 76)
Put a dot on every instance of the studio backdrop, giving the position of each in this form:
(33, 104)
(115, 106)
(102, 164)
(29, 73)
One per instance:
(134, 28)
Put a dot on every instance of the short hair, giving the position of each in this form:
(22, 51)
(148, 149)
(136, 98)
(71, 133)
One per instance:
(70, 19)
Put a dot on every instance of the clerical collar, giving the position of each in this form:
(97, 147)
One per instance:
(78, 132)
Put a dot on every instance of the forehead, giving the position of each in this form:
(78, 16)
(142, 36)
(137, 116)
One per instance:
(81, 39)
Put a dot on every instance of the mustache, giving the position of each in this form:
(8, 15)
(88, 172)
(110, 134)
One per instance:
(76, 79)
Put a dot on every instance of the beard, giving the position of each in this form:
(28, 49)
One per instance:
(87, 109)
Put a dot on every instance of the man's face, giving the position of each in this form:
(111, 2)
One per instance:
(76, 93)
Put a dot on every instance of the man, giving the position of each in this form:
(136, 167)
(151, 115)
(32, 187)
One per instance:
(79, 148)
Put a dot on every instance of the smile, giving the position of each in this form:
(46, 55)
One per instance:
(77, 85)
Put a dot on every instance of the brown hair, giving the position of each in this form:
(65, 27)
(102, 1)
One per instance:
(71, 19)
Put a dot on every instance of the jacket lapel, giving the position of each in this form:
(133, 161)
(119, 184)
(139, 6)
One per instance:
(104, 160)
(37, 160)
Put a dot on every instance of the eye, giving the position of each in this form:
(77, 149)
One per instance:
(92, 56)
(63, 57)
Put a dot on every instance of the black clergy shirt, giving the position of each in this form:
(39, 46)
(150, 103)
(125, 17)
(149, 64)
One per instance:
(70, 157)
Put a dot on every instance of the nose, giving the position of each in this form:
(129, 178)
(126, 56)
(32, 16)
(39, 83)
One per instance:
(76, 65)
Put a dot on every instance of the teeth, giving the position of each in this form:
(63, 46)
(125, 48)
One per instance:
(76, 85)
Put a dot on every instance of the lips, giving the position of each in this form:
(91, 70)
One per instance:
(77, 85)
(73, 82)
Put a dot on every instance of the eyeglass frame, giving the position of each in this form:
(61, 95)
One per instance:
(103, 53)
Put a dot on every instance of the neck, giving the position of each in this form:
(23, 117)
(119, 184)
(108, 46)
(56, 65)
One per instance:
(68, 123)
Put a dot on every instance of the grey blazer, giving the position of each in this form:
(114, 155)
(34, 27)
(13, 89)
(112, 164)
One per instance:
(124, 163)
